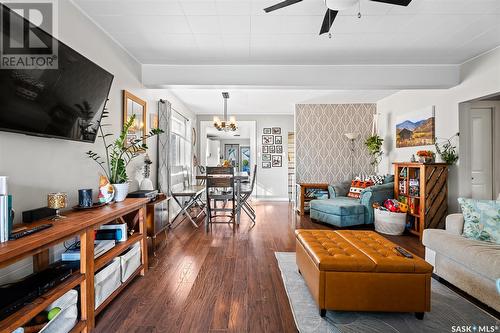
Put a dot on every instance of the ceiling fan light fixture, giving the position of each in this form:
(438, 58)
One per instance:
(340, 4)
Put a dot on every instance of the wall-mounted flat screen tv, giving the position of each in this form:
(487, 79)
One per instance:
(67, 102)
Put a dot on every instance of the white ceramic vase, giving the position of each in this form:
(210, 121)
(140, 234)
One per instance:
(146, 184)
(121, 191)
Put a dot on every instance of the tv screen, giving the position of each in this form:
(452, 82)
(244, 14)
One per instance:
(67, 102)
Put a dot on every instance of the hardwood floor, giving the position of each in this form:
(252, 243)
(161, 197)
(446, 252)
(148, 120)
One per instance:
(221, 281)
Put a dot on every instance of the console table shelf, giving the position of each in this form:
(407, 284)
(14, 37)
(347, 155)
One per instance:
(81, 224)
(301, 193)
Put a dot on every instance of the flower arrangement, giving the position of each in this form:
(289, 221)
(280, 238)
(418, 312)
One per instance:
(426, 156)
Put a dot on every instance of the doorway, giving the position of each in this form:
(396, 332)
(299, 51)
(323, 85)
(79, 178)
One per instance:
(238, 147)
(481, 157)
(480, 148)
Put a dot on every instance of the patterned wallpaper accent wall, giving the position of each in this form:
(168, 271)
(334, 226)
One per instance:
(323, 153)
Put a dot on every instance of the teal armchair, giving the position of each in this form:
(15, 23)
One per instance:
(343, 211)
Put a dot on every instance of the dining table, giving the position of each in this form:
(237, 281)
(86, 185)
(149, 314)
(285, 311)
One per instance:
(239, 177)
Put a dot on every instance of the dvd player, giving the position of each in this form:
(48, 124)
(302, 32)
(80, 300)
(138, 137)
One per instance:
(150, 194)
(25, 291)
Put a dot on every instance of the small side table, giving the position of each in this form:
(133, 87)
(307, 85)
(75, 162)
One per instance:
(301, 194)
(157, 218)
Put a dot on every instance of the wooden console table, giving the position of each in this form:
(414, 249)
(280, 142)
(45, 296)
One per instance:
(301, 194)
(81, 224)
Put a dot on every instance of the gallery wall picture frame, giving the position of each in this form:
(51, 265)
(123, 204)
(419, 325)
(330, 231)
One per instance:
(266, 157)
(278, 140)
(266, 165)
(277, 130)
(265, 149)
(267, 140)
(272, 150)
(277, 161)
(279, 149)
(267, 131)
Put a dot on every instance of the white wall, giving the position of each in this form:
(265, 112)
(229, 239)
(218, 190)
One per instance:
(272, 184)
(213, 152)
(37, 166)
(479, 77)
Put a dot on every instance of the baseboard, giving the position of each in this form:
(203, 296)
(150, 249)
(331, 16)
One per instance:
(271, 199)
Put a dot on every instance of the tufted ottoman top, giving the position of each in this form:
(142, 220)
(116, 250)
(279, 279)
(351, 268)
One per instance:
(357, 251)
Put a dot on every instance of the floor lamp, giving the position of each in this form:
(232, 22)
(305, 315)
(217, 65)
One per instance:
(352, 137)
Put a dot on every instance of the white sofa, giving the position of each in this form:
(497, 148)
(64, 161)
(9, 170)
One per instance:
(470, 265)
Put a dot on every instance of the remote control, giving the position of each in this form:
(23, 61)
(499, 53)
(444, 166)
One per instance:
(403, 252)
(28, 232)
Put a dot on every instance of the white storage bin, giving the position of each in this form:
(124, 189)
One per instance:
(67, 318)
(130, 261)
(389, 223)
(106, 281)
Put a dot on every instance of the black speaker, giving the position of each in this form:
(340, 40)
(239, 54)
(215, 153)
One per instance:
(37, 214)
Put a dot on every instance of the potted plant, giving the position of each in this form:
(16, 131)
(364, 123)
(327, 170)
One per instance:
(246, 166)
(118, 156)
(447, 151)
(374, 145)
(426, 156)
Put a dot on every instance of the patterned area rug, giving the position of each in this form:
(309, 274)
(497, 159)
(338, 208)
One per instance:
(450, 312)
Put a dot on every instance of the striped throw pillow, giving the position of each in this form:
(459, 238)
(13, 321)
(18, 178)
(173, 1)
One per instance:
(377, 179)
(357, 186)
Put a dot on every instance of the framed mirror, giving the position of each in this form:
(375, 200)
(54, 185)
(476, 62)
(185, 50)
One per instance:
(133, 105)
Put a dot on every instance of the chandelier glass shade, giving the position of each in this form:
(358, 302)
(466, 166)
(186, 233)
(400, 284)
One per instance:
(225, 124)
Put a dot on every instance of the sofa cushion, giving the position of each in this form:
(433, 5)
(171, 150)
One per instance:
(480, 257)
(338, 206)
(482, 219)
(357, 186)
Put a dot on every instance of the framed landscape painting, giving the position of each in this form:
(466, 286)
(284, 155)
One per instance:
(416, 129)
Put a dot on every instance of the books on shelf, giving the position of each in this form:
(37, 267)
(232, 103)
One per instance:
(100, 247)
(414, 187)
(313, 193)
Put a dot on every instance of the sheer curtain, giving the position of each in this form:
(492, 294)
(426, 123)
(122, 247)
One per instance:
(174, 151)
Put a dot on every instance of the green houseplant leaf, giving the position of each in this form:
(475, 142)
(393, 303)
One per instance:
(374, 146)
(119, 154)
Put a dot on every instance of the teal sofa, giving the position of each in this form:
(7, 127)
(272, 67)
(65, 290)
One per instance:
(342, 211)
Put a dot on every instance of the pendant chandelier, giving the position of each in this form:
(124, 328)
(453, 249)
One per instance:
(225, 125)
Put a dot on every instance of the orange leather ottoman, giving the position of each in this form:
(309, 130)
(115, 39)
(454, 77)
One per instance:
(360, 271)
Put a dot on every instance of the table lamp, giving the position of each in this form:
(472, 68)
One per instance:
(57, 201)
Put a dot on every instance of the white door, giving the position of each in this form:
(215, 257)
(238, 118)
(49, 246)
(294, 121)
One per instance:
(481, 153)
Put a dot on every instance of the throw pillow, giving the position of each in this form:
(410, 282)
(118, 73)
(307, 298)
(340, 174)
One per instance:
(357, 186)
(376, 179)
(482, 219)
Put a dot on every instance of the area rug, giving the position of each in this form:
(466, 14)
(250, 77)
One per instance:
(450, 312)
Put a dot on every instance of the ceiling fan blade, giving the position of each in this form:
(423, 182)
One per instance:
(328, 20)
(282, 4)
(395, 2)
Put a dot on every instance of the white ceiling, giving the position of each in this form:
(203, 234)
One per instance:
(270, 101)
(239, 32)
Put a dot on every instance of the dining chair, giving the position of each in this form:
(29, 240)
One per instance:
(220, 188)
(245, 194)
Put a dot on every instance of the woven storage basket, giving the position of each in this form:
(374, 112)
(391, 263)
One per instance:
(389, 223)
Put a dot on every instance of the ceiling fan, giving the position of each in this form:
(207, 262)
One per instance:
(333, 7)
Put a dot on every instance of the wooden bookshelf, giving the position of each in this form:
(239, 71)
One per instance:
(81, 224)
(424, 188)
(301, 194)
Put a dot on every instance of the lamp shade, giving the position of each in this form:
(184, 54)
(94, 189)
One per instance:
(352, 136)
